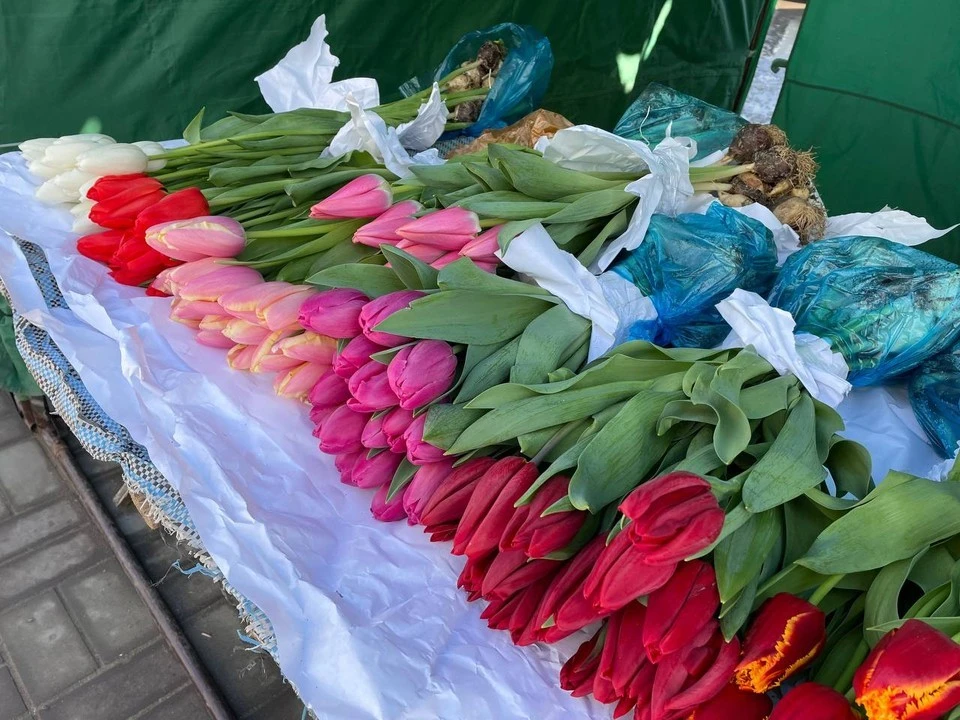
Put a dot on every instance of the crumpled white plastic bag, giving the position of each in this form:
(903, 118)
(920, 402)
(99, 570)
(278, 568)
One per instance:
(770, 331)
(303, 78)
(888, 223)
(941, 470)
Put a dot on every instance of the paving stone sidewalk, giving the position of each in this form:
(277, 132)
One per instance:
(76, 642)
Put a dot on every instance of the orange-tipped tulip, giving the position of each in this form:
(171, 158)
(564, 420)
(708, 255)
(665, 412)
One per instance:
(242, 302)
(913, 673)
(297, 382)
(810, 701)
(308, 347)
(786, 635)
(735, 704)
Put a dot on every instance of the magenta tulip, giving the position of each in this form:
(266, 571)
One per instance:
(419, 451)
(197, 238)
(371, 472)
(342, 431)
(318, 416)
(370, 389)
(373, 436)
(383, 230)
(424, 253)
(447, 229)
(446, 259)
(354, 355)
(385, 511)
(376, 311)
(422, 487)
(362, 197)
(334, 313)
(345, 462)
(395, 424)
(329, 391)
(421, 373)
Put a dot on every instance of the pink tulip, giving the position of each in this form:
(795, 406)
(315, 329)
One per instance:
(387, 511)
(383, 230)
(376, 311)
(345, 462)
(421, 373)
(446, 259)
(373, 436)
(277, 313)
(244, 332)
(365, 196)
(170, 281)
(395, 424)
(333, 313)
(371, 389)
(210, 286)
(329, 391)
(266, 361)
(424, 253)
(319, 415)
(354, 355)
(421, 488)
(484, 245)
(197, 238)
(342, 430)
(214, 338)
(447, 229)
(308, 347)
(196, 310)
(371, 472)
(298, 382)
(215, 322)
(489, 264)
(242, 302)
(240, 357)
(419, 451)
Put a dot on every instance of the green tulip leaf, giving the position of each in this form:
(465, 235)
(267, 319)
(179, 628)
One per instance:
(488, 372)
(413, 272)
(401, 478)
(544, 344)
(850, 465)
(445, 422)
(739, 557)
(530, 173)
(614, 227)
(372, 280)
(883, 597)
(465, 275)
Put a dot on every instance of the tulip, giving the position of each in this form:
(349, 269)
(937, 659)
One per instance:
(443, 511)
(362, 197)
(810, 701)
(242, 302)
(422, 486)
(318, 416)
(342, 431)
(181, 205)
(33, 149)
(578, 673)
(211, 285)
(213, 338)
(378, 310)
(514, 613)
(370, 390)
(344, 463)
(82, 225)
(308, 347)
(387, 511)
(150, 149)
(395, 424)
(240, 357)
(511, 571)
(119, 203)
(423, 253)
(489, 264)
(329, 391)
(173, 279)
(421, 373)
(539, 535)
(564, 600)
(110, 186)
(913, 673)
(673, 517)
(419, 451)
(448, 229)
(297, 383)
(383, 230)
(192, 311)
(354, 355)
(216, 322)
(376, 471)
(197, 238)
(334, 313)
(71, 181)
(622, 660)
(693, 676)
(243, 332)
(135, 263)
(63, 152)
(491, 506)
(621, 575)
(678, 612)
(281, 312)
(471, 578)
(732, 702)
(373, 436)
(113, 159)
(484, 245)
(786, 635)
(42, 170)
(100, 246)
(50, 193)
(446, 259)
(268, 361)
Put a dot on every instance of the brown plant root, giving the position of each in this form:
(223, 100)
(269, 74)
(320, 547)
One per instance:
(807, 217)
(753, 138)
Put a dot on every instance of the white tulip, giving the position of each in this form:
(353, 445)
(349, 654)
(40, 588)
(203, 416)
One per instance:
(85, 188)
(152, 148)
(84, 226)
(116, 159)
(82, 208)
(72, 180)
(64, 155)
(52, 194)
(43, 170)
(33, 149)
(95, 138)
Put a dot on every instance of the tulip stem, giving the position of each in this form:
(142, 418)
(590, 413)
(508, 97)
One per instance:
(491, 222)
(821, 592)
(844, 680)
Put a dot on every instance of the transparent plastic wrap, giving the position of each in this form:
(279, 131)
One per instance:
(649, 116)
(884, 306)
(520, 83)
(935, 396)
(687, 264)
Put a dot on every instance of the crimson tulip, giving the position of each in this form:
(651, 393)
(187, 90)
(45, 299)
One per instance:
(564, 600)
(623, 659)
(515, 612)
(539, 535)
(471, 577)
(101, 246)
(579, 672)
(446, 506)
(810, 701)
(913, 673)
(732, 703)
(621, 575)
(423, 485)
(180, 205)
(678, 611)
(109, 186)
(120, 201)
(510, 572)
(387, 510)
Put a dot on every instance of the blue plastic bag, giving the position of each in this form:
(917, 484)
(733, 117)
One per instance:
(935, 397)
(658, 106)
(885, 307)
(520, 84)
(687, 264)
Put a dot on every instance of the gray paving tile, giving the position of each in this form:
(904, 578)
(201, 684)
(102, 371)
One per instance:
(22, 531)
(11, 704)
(285, 706)
(12, 427)
(32, 571)
(26, 475)
(123, 690)
(185, 705)
(109, 611)
(184, 594)
(247, 679)
(45, 647)
(4, 510)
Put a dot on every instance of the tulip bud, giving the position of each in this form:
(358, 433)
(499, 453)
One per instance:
(344, 463)
(109, 186)
(318, 416)
(371, 472)
(50, 193)
(732, 702)
(211, 285)
(180, 205)
(539, 535)
(680, 610)
(810, 701)
(243, 332)
(213, 338)
(419, 451)
(268, 361)
(100, 246)
(422, 487)
(913, 673)
(442, 513)
(119, 200)
(378, 310)
(334, 313)
(281, 312)
(695, 675)
(308, 347)
(370, 390)
(625, 675)
(514, 613)
(362, 197)
(216, 322)
(448, 229)
(113, 159)
(329, 391)
(150, 149)
(578, 673)
(197, 238)
(471, 577)
(786, 635)
(192, 309)
(446, 259)
(395, 424)
(354, 355)
(564, 600)
(71, 181)
(423, 253)
(512, 571)
(240, 357)
(63, 153)
(242, 303)
(297, 382)
(484, 245)
(385, 511)
(421, 373)
(383, 230)
(34, 149)
(342, 431)
(42, 170)
(373, 436)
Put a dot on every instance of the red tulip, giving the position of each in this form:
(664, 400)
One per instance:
(564, 600)
(539, 535)
(786, 635)
(135, 263)
(384, 510)
(622, 575)
(510, 572)
(422, 487)
(811, 701)
(579, 672)
(514, 613)
(110, 185)
(181, 205)
(354, 355)
(678, 612)
(443, 511)
(491, 506)
(118, 203)
(471, 577)
(100, 246)
(913, 673)
(378, 310)
(732, 703)
(623, 660)
(334, 313)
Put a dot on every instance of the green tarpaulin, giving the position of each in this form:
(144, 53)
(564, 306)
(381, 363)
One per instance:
(14, 376)
(874, 87)
(143, 68)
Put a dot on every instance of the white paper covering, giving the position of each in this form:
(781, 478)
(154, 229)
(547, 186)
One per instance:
(368, 620)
